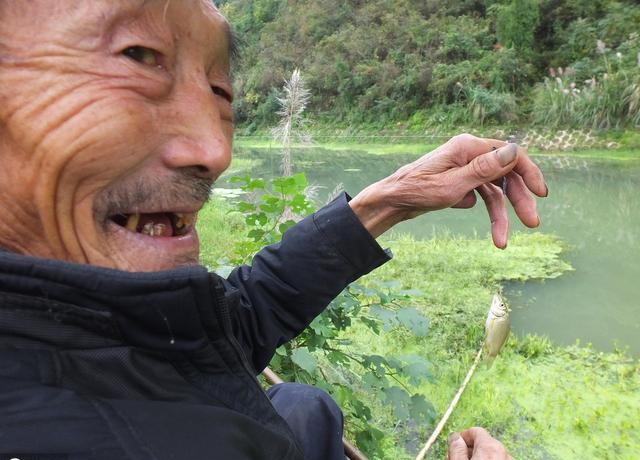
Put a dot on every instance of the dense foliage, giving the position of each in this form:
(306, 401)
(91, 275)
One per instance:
(323, 355)
(429, 63)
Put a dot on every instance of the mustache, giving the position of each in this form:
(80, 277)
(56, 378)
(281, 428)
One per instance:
(182, 187)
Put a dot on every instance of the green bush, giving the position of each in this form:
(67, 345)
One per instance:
(378, 62)
(610, 101)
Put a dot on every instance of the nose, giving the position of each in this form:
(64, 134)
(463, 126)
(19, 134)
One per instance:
(203, 138)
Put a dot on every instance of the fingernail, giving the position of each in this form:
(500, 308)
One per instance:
(546, 187)
(507, 154)
(453, 437)
(538, 222)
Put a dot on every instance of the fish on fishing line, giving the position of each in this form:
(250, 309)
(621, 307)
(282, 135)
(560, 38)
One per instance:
(496, 327)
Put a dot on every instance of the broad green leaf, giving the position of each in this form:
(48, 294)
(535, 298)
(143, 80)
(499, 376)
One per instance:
(304, 359)
(283, 227)
(376, 363)
(400, 400)
(414, 320)
(360, 410)
(373, 382)
(245, 206)
(387, 317)
(421, 410)
(256, 234)
(417, 369)
(320, 327)
(336, 357)
(300, 180)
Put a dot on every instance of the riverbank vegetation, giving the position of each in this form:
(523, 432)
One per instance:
(414, 65)
(543, 401)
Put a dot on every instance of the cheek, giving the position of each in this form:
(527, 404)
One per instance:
(113, 139)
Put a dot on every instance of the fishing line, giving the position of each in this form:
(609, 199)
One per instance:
(452, 406)
(495, 337)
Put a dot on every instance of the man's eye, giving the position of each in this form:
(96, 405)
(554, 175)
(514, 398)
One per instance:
(143, 55)
(222, 93)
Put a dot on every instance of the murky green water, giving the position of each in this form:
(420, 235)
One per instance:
(593, 206)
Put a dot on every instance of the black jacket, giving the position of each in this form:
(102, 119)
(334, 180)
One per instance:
(102, 364)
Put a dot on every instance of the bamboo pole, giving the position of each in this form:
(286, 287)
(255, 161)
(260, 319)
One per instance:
(452, 406)
(350, 450)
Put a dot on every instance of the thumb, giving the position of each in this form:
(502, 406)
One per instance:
(457, 448)
(488, 167)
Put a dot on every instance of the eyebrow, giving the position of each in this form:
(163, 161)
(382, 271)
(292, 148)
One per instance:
(234, 43)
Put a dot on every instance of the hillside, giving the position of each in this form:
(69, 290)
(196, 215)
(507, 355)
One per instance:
(554, 63)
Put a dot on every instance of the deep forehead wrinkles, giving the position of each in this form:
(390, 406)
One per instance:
(207, 7)
(38, 15)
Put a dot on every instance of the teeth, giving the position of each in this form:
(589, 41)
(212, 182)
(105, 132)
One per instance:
(147, 229)
(151, 229)
(183, 220)
(158, 229)
(132, 222)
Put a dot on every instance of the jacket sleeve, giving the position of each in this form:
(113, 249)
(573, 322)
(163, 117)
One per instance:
(288, 284)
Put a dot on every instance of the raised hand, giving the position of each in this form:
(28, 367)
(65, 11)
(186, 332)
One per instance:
(449, 177)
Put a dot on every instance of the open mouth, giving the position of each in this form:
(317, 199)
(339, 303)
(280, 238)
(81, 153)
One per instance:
(159, 224)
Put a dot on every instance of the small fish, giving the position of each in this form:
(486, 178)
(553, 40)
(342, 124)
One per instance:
(496, 328)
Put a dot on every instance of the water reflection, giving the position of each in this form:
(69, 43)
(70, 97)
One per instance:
(592, 205)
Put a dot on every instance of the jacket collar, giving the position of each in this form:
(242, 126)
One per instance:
(169, 310)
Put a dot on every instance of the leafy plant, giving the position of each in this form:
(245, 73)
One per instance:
(516, 23)
(610, 98)
(269, 211)
(323, 354)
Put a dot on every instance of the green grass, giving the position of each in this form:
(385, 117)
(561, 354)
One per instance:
(622, 154)
(541, 400)
(390, 147)
(376, 148)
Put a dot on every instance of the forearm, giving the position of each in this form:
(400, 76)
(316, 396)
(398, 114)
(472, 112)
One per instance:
(290, 283)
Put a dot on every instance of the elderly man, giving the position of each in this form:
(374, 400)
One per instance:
(115, 120)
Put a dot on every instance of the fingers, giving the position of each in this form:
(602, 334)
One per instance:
(530, 173)
(475, 435)
(469, 201)
(522, 201)
(494, 200)
(486, 167)
(469, 147)
(484, 446)
(457, 448)
(465, 147)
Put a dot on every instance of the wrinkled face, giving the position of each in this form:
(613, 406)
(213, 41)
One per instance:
(115, 120)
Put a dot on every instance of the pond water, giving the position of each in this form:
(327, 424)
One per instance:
(593, 206)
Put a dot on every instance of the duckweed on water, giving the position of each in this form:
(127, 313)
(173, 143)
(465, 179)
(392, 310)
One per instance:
(542, 401)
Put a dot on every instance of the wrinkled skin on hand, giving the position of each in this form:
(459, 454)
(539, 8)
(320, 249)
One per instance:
(448, 177)
(110, 108)
(475, 444)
